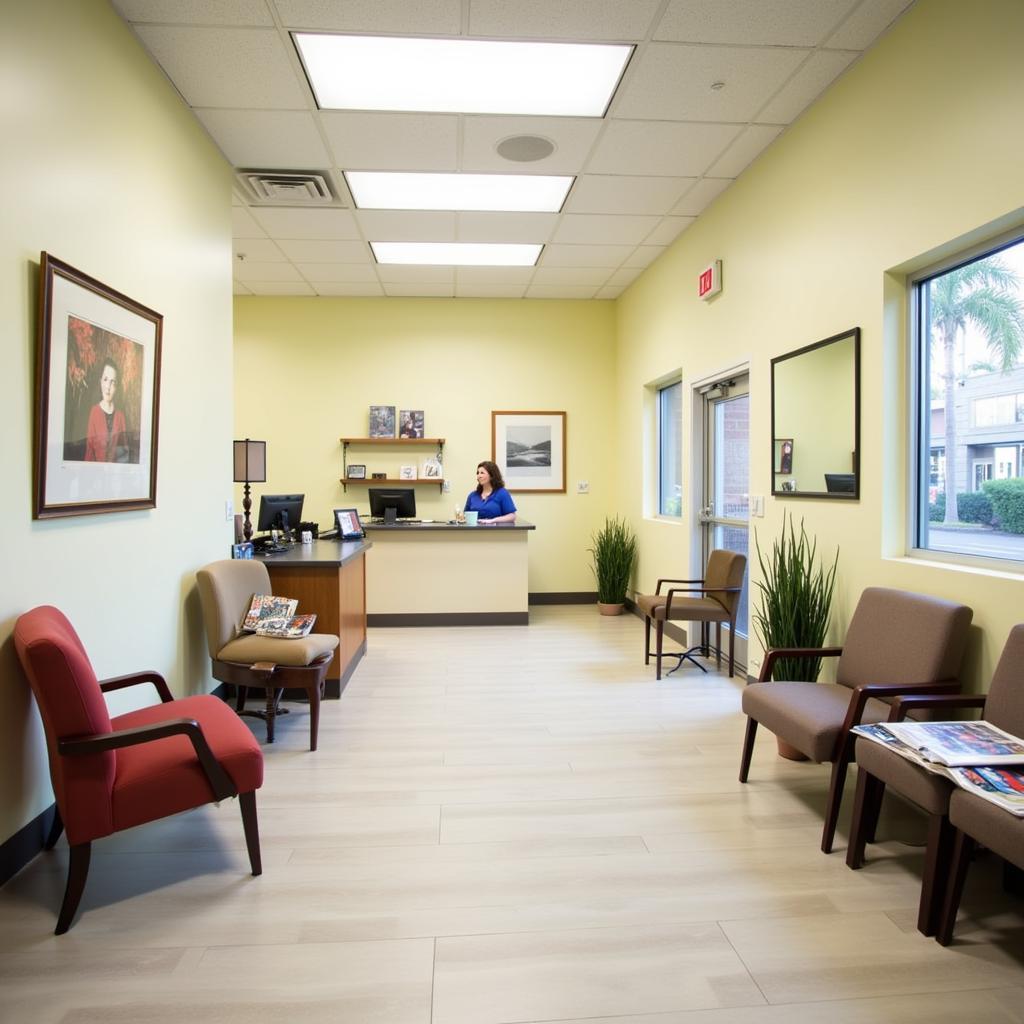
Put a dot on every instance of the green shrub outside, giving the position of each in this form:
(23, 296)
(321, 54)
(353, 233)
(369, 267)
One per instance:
(1007, 497)
(971, 507)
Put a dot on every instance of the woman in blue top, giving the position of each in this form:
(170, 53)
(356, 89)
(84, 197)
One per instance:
(490, 498)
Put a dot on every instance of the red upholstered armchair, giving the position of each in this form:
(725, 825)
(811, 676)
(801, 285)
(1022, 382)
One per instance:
(112, 774)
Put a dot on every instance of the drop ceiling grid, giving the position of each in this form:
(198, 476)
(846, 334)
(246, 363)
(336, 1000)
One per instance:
(668, 146)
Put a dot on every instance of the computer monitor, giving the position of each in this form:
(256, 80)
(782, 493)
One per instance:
(840, 483)
(280, 512)
(391, 503)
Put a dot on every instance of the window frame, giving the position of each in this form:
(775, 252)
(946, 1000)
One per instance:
(675, 382)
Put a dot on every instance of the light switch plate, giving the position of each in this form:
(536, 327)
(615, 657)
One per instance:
(229, 511)
(757, 505)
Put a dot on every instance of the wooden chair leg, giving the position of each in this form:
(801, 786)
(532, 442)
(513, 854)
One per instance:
(936, 873)
(868, 797)
(748, 748)
(718, 645)
(963, 850)
(241, 692)
(314, 715)
(647, 639)
(835, 798)
(873, 811)
(273, 699)
(56, 828)
(659, 638)
(78, 871)
(250, 825)
(732, 649)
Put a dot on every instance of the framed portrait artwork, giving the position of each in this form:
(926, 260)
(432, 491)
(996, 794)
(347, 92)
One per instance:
(382, 421)
(410, 423)
(529, 449)
(97, 397)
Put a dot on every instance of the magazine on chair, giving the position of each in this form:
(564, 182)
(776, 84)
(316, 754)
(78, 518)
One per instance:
(275, 616)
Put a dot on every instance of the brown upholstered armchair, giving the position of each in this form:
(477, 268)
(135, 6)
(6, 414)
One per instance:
(878, 769)
(271, 664)
(897, 643)
(715, 598)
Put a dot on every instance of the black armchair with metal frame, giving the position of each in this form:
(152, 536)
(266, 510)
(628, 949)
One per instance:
(714, 598)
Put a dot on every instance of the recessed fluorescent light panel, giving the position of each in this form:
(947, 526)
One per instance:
(469, 76)
(519, 193)
(457, 254)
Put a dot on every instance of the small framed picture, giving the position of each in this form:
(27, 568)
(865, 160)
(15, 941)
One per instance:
(356, 472)
(348, 524)
(382, 421)
(430, 469)
(243, 550)
(410, 423)
(379, 476)
(407, 473)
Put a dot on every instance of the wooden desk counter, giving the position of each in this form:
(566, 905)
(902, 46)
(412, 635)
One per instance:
(329, 578)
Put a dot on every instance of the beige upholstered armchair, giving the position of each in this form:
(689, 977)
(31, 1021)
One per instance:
(715, 598)
(897, 643)
(246, 660)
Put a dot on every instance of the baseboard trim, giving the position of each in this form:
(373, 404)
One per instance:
(564, 597)
(17, 851)
(388, 620)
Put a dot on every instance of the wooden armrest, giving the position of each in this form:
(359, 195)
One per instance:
(773, 654)
(904, 704)
(134, 678)
(668, 579)
(220, 781)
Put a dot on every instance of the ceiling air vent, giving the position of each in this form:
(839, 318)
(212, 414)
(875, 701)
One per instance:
(288, 188)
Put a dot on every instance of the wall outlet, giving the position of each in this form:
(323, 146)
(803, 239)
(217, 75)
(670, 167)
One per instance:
(229, 511)
(446, 487)
(582, 486)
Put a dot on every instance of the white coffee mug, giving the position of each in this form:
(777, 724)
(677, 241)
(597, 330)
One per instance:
(471, 518)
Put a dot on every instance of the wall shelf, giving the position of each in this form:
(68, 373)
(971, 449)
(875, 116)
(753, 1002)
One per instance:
(417, 442)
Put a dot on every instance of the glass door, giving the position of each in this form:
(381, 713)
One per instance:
(725, 517)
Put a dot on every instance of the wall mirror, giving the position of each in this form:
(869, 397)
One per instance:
(816, 420)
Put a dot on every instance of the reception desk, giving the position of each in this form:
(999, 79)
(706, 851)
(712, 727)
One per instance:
(437, 574)
(328, 578)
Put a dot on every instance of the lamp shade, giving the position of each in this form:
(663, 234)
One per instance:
(250, 461)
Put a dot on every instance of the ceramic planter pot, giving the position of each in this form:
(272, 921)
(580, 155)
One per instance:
(609, 609)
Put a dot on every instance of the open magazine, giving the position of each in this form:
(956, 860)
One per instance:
(275, 616)
(1001, 784)
(957, 744)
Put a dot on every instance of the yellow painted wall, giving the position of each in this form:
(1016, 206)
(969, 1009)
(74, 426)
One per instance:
(105, 168)
(916, 145)
(308, 369)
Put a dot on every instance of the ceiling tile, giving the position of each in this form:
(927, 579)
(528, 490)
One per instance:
(304, 250)
(584, 255)
(281, 288)
(658, 148)
(760, 22)
(624, 277)
(700, 197)
(392, 142)
(573, 138)
(643, 256)
(421, 290)
(258, 250)
(196, 12)
(743, 152)
(227, 67)
(673, 82)
(504, 227)
(424, 17)
(866, 24)
(489, 291)
(295, 223)
(607, 193)
(589, 276)
(600, 229)
(558, 291)
(407, 225)
(250, 271)
(610, 292)
(243, 225)
(493, 275)
(315, 273)
(355, 288)
(668, 230)
(395, 273)
(267, 139)
(806, 85)
(238, 288)
(562, 19)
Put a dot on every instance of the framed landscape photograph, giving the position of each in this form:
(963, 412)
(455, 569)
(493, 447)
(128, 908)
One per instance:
(410, 423)
(382, 421)
(529, 449)
(97, 397)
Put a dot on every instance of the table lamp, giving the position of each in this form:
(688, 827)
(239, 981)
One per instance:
(250, 467)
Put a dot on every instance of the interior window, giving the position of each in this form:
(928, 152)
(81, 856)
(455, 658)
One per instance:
(670, 442)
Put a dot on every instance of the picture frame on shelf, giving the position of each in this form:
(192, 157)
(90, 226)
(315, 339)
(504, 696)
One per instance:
(406, 472)
(410, 423)
(529, 449)
(356, 472)
(431, 469)
(382, 421)
(379, 476)
(97, 397)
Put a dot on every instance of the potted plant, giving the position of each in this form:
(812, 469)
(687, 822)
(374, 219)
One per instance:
(794, 606)
(614, 554)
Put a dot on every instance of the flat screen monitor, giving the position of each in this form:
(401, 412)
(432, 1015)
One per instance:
(280, 512)
(391, 503)
(840, 483)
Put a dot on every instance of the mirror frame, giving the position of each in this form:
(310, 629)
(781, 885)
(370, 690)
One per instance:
(832, 496)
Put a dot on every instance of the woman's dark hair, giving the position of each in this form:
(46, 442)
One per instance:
(494, 473)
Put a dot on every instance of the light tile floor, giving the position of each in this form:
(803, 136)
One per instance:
(512, 825)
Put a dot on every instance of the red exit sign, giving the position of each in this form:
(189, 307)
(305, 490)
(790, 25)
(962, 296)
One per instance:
(710, 281)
